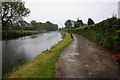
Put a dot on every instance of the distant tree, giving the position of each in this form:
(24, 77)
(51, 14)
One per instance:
(68, 24)
(75, 24)
(13, 11)
(33, 22)
(48, 26)
(23, 23)
(79, 23)
(90, 21)
(19, 25)
(60, 29)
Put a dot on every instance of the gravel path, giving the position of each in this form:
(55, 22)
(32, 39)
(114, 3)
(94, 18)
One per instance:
(84, 58)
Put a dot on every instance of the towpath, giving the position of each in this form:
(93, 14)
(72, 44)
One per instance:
(83, 58)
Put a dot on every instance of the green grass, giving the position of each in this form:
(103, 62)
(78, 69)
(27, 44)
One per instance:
(42, 66)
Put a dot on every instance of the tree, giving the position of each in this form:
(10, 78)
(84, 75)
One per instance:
(33, 22)
(13, 12)
(68, 24)
(90, 21)
(48, 26)
(79, 23)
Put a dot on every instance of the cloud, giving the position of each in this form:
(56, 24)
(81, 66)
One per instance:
(59, 12)
(70, 1)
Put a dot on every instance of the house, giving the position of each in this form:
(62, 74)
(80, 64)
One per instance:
(72, 22)
(75, 24)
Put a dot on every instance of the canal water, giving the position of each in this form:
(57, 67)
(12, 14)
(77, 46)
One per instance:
(16, 52)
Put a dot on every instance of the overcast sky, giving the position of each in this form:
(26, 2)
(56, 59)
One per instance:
(58, 11)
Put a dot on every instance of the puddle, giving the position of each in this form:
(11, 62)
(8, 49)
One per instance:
(71, 60)
(71, 54)
(90, 73)
(74, 46)
(74, 54)
(86, 65)
(65, 56)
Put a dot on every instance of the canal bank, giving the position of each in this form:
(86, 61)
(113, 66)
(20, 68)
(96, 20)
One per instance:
(16, 52)
(42, 66)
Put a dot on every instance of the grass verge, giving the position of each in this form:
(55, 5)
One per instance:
(42, 66)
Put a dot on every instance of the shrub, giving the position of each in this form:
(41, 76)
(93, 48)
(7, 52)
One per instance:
(105, 33)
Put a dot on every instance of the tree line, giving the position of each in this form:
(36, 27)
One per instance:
(75, 24)
(12, 18)
(43, 26)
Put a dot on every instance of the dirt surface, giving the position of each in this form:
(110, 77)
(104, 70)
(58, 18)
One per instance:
(83, 58)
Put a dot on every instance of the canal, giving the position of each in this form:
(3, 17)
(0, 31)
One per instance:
(18, 51)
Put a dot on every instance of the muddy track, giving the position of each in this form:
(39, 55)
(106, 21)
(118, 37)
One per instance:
(83, 58)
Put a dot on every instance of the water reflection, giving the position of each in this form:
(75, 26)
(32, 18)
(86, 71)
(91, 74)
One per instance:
(16, 52)
(0, 59)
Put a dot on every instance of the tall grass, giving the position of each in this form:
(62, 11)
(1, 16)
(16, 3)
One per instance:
(12, 34)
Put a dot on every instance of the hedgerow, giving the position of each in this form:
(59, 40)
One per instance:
(105, 33)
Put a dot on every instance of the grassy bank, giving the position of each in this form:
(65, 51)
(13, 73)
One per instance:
(42, 66)
(12, 34)
(105, 33)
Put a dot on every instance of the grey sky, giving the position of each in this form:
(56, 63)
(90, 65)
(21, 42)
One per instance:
(58, 11)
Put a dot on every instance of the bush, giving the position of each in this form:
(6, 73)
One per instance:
(105, 33)
(12, 34)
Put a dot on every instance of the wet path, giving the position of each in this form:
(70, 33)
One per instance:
(84, 58)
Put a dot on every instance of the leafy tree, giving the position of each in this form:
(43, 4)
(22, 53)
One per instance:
(13, 12)
(90, 21)
(48, 26)
(79, 23)
(68, 24)
(33, 22)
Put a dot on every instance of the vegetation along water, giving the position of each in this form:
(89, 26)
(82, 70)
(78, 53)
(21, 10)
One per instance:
(42, 66)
